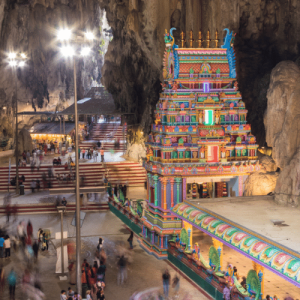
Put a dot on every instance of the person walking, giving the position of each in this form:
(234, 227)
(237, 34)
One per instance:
(102, 154)
(122, 275)
(166, 282)
(35, 248)
(83, 152)
(100, 244)
(7, 246)
(1, 246)
(29, 229)
(176, 285)
(12, 280)
(72, 273)
(130, 239)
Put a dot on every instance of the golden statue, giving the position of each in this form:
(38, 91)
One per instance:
(207, 39)
(200, 40)
(191, 39)
(182, 40)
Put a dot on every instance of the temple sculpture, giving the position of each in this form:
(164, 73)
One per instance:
(200, 145)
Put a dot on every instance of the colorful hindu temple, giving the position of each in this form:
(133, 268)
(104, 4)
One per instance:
(200, 145)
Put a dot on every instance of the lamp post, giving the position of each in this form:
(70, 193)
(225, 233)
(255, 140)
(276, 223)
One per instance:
(66, 38)
(16, 60)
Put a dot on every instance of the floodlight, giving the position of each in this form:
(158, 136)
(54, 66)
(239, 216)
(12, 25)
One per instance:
(12, 55)
(64, 34)
(89, 35)
(21, 64)
(67, 51)
(23, 55)
(85, 51)
(12, 63)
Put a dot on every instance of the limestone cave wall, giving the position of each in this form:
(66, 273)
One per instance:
(46, 82)
(266, 33)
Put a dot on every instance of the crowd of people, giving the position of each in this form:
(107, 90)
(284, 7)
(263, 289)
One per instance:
(26, 247)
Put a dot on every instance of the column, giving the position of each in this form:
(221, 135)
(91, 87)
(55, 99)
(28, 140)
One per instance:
(166, 241)
(161, 192)
(146, 232)
(155, 177)
(219, 246)
(172, 191)
(152, 237)
(162, 241)
(260, 273)
(165, 194)
(148, 187)
(178, 182)
(189, 235)
(189, 229)
(183, 189)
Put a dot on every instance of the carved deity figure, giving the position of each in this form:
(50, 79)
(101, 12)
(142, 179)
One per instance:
(202, 153)
(200, 117)
(217, 117)
(174, 86)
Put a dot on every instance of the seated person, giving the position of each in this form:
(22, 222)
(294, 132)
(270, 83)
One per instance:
(55, 162)
(59, 161)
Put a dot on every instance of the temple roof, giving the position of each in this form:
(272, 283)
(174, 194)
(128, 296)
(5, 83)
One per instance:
(270, 253)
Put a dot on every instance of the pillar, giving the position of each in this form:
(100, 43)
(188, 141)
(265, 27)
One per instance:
(161, 241)
(166, 241)
(148, 187)
(219, 246)
(178, 182)
(155, 177)
(172, 191)
(146, 232)
(189, 229)
(184, 188)
(165, 193)
(260, 273)
(152, 237)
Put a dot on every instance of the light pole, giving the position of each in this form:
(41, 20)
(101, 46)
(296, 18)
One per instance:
(16, 60)
(66, 38)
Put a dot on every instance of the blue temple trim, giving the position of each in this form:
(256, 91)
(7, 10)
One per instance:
(176, 58)
(230, 53)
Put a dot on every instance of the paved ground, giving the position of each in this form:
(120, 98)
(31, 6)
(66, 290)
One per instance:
(144, 271)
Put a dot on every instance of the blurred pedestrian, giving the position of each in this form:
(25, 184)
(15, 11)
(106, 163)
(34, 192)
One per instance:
(72, 273)
(1, 246)
(166, 282)
(102, 154)
(130, 239)
(70, 292)
(12, 280)
(122, 274)
(2, 280)
(100, 244)
(29, 228)
(176, 285)
(7, 246)
(35, 248)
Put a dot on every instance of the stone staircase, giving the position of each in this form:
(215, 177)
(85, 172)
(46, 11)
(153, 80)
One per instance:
(123, 172)
(107, 133)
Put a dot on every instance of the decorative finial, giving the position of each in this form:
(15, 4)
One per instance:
(191, 39)
(207, 39)
(216, 40)
(182, 40)
(200, 40)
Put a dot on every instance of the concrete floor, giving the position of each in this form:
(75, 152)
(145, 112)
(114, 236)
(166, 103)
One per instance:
(144, 270)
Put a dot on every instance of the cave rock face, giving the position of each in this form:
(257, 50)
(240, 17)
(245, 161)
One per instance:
(24, 141)
(260, 183)
(287, 191)
(282, 117)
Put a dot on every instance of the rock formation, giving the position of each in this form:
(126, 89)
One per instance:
(260, 183)
(267, 32)
(264, 181)
(24, 141)
(46, 82)
(282, 123)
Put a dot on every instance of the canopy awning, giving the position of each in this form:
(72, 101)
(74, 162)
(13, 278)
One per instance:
(274, 256)
(52, 128)
(97, 101)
